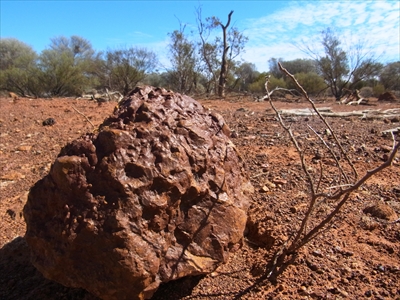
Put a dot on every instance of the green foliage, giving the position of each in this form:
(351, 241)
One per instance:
(125, 68)
(276, 82)
(59, 74)
(274, 68)
(378, 89)
(183, 75)
(293, 66)
(18, 67)
(70, 66)
(258, 86)
(156, 79)
(311, 82)
(297, 66)
(243, 75)
(22, 81)
(390, 76)
(334, 65)
(343, 69)
(79, 47)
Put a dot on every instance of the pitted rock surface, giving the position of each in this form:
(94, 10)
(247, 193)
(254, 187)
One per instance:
(157, 194)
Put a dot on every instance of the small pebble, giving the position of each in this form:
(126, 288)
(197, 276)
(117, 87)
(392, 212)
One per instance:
(317, 253)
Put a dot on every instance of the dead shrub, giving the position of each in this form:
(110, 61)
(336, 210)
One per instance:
(320, 190)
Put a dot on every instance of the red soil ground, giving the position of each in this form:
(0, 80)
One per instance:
(358, 257)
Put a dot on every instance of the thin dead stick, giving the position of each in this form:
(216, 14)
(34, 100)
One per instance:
(310, 181)
(330, 150)
(338, 186)
(87, 119)
(322, 118)
(304, 235)
(346, 195)
(321, 173)
(259, 174)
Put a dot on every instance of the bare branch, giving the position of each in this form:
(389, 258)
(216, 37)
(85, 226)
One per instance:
(321, 117)
(332, 153)
(87, 119)
(341, 196)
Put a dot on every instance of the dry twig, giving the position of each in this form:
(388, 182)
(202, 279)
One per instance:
(340, 196)
(87, 119)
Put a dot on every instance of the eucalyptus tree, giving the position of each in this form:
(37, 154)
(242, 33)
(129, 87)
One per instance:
(343, 68)
(58, 73)
(274, 68)
(79, 47)
(184, 73)
(66, 66)
(298, 65)
(245, 74)
(126, 67)
(390, 76)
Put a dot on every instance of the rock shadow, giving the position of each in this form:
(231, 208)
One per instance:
(20, 280)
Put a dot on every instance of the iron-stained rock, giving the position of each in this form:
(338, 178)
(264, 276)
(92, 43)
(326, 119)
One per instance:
(157, 194)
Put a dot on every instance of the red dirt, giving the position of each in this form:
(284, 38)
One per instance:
(358, 257)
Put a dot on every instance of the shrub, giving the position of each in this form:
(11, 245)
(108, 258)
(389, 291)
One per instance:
(311, 82)
(378, 89)
(259, 85)
(366, 92)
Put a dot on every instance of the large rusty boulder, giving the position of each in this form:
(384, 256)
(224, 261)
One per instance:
(158, 193)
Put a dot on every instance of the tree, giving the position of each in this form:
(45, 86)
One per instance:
(343, 69)
(295, 66)
(208, 52)
(334, 65)
(228, 48)
(67, 66)
(79, 47)
(125, 68)
(390, 76)
(59, 75)
(183, 75)
(18, 66)
(157, 79)
(299, 65)
(225, 49)
(305, 70)
(245, 74)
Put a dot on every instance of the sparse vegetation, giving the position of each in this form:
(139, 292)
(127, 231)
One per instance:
(323, 188)
(201, 62)
(343, 68)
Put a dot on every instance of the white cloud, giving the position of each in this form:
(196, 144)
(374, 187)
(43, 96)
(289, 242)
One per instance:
(140, 35)
(376, 22)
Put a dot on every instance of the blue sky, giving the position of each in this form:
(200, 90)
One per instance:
(273, 27)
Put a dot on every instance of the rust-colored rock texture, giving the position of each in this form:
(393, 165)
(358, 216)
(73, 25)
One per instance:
(157, 194)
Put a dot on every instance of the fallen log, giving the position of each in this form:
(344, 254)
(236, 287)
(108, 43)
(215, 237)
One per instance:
(327, 112)
(107, 96)
(390, 131)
